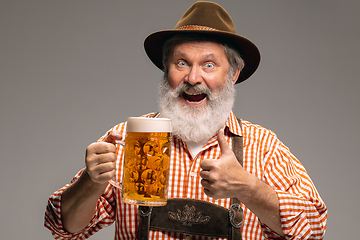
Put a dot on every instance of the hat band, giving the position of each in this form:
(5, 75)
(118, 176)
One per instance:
(197, 27)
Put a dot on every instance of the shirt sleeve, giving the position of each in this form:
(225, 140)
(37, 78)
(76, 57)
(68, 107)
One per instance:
(104, 214)
(303, 213)
(105, 208)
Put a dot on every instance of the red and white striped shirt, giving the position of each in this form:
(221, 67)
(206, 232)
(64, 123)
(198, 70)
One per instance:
(302, 211)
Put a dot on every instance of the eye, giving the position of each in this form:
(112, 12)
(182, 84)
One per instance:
(181, 63)
(209, 65)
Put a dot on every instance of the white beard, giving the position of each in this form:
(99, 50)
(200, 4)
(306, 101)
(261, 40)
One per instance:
(196, 124)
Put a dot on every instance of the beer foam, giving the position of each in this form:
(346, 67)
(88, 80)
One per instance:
(141, 124)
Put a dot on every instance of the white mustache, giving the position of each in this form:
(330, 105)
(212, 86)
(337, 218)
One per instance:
(192, 90)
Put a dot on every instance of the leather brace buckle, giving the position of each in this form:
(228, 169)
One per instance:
(145, 214)
(236, 215)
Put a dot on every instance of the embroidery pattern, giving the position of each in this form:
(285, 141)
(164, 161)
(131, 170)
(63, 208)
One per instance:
(188, 217)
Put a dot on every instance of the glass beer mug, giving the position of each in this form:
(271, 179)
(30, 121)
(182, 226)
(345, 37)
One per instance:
(146, 162)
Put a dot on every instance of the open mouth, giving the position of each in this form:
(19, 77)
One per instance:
(193, 98)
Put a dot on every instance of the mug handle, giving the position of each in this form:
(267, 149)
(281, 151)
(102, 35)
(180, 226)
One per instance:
(112, 182)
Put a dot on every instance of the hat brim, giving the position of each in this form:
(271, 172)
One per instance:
(153, 45)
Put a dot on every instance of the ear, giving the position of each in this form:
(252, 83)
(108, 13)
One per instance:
(236, 75)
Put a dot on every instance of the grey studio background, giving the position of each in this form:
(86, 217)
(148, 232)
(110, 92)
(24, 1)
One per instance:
(70, 70)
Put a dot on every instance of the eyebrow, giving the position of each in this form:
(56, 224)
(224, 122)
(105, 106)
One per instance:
(181, 54)
(210, 55)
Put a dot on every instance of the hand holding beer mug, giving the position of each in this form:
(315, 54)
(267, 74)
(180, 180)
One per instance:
(146, 162)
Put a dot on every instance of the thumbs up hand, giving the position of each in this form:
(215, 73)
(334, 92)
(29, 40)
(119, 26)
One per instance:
(223, 177)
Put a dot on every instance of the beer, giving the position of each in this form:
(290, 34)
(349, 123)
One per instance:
(146, 162)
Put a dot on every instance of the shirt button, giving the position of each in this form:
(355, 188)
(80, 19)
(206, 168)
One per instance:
(192, 174)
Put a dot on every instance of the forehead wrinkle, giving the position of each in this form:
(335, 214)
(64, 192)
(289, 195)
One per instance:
(205, 56)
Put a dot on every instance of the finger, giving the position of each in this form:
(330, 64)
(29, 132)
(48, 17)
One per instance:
(207, 192)
(210, 193)
(100, 148)
(205, 174)
(101, 165)
(224, 146)
(113, 137)
(205, 183)
(105, 167)
(206, 164)
(105, 157)
(103, 177)
(93, 161)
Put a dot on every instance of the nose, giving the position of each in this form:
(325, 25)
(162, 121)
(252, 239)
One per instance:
(194, 76)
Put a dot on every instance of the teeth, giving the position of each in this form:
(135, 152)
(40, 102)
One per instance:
(193, 94)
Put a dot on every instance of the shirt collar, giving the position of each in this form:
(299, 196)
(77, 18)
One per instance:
(233, 125)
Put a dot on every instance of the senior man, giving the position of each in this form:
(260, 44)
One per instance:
(202, 59)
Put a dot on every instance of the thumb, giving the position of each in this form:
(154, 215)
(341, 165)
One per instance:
(224, 146)
(113, 137)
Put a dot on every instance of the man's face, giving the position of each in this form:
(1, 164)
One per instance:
(198, 92)
(198, 64)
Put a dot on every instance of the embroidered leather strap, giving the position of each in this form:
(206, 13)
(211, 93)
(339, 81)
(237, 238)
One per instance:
(191, 217)
(236, 213)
